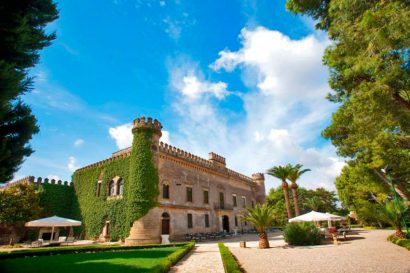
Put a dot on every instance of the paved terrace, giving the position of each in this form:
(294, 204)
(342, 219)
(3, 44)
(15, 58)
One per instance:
(364, 251)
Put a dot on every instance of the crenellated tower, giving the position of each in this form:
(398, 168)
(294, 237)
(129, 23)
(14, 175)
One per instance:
(143, 183)
(259, 179)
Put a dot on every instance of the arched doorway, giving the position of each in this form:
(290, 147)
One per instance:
(225, 223)
(165, 223)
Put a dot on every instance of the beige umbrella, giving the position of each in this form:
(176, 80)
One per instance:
(53, 222)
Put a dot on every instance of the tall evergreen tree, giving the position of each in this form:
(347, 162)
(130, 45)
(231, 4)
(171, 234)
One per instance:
(369, 62)
(22, 36)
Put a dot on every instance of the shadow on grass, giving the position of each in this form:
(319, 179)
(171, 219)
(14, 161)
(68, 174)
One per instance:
(142, 260)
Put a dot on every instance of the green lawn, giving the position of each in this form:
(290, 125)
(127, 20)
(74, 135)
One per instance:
(136, 260)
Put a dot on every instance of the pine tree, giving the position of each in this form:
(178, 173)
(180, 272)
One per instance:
(22, 36)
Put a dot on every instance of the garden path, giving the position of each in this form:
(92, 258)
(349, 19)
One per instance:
(203, 258)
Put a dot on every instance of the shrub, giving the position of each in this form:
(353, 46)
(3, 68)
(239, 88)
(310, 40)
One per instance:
(172, 259)
(229, 262)
(300, 234)
(48, 251)
(399, 241)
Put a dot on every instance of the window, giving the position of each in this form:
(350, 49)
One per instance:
(189, 220)
(206, 197)
(189, 194)
(98, 188)
(243, 201)
(165, 223)
(221, 200)
(165, 191)
(253, 204)
(236, 221)
(119, 187)
(235, 203)
(206, 220)
(111, 188)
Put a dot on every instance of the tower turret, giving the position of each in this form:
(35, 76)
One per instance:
(259, 179)
(143, 183)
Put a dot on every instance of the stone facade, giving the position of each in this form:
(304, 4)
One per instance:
(183, 204)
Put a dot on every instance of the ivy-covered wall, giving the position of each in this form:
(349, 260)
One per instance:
(140, 183)
(95, 210)
(143, 190)
(57, 200)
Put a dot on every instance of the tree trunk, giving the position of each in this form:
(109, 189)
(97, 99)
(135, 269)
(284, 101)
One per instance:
(263, 240)
(402, 192)
(294, 187)
(286, 194)
(399, 233)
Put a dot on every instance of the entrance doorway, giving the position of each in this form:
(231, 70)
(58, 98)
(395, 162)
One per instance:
(165, 223)
(225, 223)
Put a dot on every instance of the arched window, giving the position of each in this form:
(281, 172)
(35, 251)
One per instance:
(119, 186)
(165, 191)
(111, 188)
(98, 188)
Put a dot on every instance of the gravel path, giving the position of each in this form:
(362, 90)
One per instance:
(365, 251)
(203, 258)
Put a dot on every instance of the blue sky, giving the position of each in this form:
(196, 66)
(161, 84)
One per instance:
(241, 78)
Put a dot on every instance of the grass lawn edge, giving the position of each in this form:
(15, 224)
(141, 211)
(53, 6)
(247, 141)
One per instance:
(229, 262)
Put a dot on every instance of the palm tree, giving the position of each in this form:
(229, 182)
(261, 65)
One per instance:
(394, 212)
(261, 216)
(314, 203)
(282, 172)
(293, 176)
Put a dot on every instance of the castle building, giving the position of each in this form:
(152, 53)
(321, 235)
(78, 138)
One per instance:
(195, 195)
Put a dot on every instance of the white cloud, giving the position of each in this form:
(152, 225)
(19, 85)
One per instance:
(165, 137)
(284, 109)
(189, 82)
(122, 135)
(193, 88)
(72, 164)
(78, 142)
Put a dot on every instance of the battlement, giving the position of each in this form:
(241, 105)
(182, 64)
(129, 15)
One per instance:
(32, 180)
(120, 154)
(213, 157)
(258, 176)
(176, 152)
(143, 122)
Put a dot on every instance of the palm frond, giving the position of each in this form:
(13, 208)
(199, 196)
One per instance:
(281, 172)
(261, 216)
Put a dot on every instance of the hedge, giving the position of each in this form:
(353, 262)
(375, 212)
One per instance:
(229, 262)
(172, 259)
(399, 241)
(49, 251)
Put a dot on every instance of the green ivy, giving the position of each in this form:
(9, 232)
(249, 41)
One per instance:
(143, 191)
(140, 182)
(95, 210)
(56, 200)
